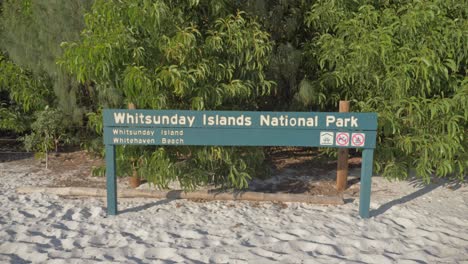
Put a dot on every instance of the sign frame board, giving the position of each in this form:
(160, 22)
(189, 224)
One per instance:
(239, 128)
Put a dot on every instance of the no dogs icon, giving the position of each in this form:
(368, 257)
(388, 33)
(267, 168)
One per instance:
(358, 139)
(342, 139)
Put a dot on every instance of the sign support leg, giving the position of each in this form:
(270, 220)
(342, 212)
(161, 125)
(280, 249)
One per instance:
(111, 180)
(366, 181)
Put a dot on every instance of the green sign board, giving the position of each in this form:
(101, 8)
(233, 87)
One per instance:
(229, 128)
(238, 128)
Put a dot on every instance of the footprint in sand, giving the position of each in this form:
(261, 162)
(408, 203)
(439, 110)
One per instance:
(301, 233)
(266, 254)
(68, 243)
(405, 222)
(285, 237)
(97, 212)
(70, 225)
(219, 258)
(27, 251)
(190, 234)
(304, 246)
(161, 253)
(193, 255)
(282, 247)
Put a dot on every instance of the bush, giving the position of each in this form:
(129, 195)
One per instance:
(176, 55)
(406, 60)
(48, 132)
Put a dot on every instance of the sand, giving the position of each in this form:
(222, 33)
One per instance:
(410, 223)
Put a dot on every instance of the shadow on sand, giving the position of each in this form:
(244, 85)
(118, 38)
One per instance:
(145, 206)
(425, 188)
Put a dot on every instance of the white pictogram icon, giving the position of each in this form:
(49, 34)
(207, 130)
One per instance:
(326, 138)
(342, 139)
(358, 139)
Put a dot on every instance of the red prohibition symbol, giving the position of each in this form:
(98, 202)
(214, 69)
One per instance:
(342, 139)
(357, 139)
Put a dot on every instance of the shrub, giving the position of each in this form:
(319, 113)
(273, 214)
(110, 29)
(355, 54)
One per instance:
(406, 60)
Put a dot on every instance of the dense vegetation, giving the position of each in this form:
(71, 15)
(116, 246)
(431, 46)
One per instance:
(404, 59)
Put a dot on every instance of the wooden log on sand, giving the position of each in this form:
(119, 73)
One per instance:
(178, 194)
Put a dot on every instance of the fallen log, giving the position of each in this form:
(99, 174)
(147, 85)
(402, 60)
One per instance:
(178, 194)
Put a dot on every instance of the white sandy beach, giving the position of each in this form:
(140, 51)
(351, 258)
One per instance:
(410, 224)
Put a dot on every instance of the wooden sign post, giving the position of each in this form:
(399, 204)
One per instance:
(342, 167)
(234, 128)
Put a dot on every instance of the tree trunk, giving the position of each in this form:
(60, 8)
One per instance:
(134, 180)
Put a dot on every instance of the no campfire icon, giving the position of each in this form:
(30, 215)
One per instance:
(358, 139)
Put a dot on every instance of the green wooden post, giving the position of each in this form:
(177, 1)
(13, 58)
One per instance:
(111, 180)
(366, 182)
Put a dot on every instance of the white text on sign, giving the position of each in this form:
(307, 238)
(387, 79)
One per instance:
(342, 122)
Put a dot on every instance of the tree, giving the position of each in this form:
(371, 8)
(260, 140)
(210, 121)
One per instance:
(180, 55)
(406, 60)
(47, 132)
(31, 33)
(288, 67)
(22, 93)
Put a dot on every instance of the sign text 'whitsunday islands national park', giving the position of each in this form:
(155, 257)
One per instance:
(207, 120)
(236, 128)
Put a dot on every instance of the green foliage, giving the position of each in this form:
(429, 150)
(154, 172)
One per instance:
(48, 131)
(23, 88)
(92, 141)
(149, 55)
(284, 20)
(406, 60)
(227, 167)
(21, 94)
(175, 55)
(31, 33)
(11, 119)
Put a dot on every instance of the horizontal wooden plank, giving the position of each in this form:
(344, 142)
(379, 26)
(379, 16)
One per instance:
(179, 194)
